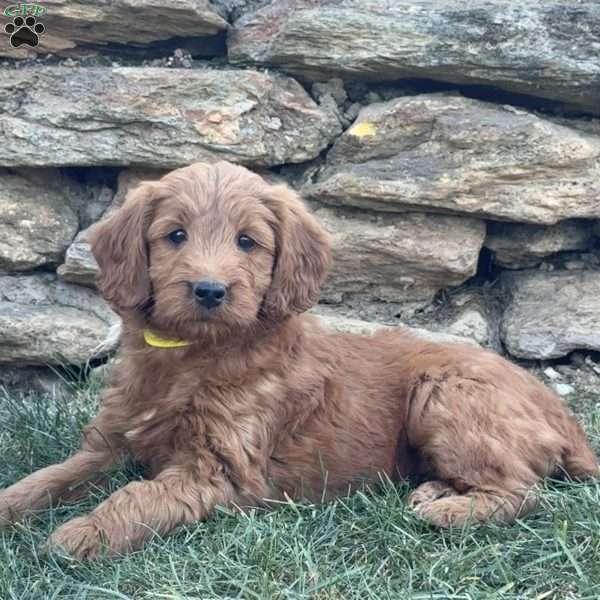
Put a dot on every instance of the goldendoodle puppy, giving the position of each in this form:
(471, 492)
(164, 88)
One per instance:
(230, 396)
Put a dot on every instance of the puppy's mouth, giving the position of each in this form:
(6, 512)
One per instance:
(206, 315)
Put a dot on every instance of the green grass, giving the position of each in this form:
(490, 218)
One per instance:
(366, 546)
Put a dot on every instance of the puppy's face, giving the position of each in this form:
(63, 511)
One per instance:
(210, 250)
(211, 258)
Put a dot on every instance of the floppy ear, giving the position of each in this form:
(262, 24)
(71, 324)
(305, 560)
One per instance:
(303, 255)
(119, 246)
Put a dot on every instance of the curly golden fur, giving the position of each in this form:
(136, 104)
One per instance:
(264, 404)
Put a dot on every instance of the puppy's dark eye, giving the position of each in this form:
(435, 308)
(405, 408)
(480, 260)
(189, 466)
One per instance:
(246, 243)
(177, 237)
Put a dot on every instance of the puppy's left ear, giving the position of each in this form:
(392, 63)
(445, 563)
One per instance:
(303, 255)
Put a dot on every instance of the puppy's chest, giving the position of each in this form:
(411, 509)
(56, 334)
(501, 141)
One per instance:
(227, 421)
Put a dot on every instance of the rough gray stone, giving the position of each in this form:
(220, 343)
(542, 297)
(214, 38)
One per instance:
(234, 9)
(573, 261)
(157, 117)
(563, 389)
(549, 315)
(38, 220)
(440, 152)
(469, 312)
(94, 204)
(343, 324)
(466, 312)
(45, 321)
(542, 47)
(70, 24)
(552, 374)
(399, 258)
(80, 266)
(334, 88)
(331, 96)
(517, 246)
(473, 323)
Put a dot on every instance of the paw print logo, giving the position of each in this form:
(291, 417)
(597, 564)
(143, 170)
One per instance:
(24, 31)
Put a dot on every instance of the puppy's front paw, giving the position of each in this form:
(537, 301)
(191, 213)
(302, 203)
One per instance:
(80, 538)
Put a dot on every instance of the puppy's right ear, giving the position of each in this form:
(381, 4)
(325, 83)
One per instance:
(119, 246)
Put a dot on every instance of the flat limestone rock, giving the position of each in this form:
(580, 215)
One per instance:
(69, 24)
(356, 326)
(157, 117)
(447, 153)
(44, 321)
(550, 314)
(399, 257)
(545, 48)
(465, 312)
(517, 246)
(38, 220)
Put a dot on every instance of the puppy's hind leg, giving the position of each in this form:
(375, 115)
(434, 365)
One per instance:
(579, 460)
(485, 449)
(429, 491)
(456, 510)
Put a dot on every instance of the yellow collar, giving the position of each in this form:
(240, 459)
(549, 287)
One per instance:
(157, 342)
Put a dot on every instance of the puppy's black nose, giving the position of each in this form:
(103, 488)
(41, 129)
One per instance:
(209, 293)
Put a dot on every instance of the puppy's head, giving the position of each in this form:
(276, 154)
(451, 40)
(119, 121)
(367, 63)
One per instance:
(210, 249)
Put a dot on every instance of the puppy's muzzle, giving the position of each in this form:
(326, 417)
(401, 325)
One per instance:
(209, 294)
